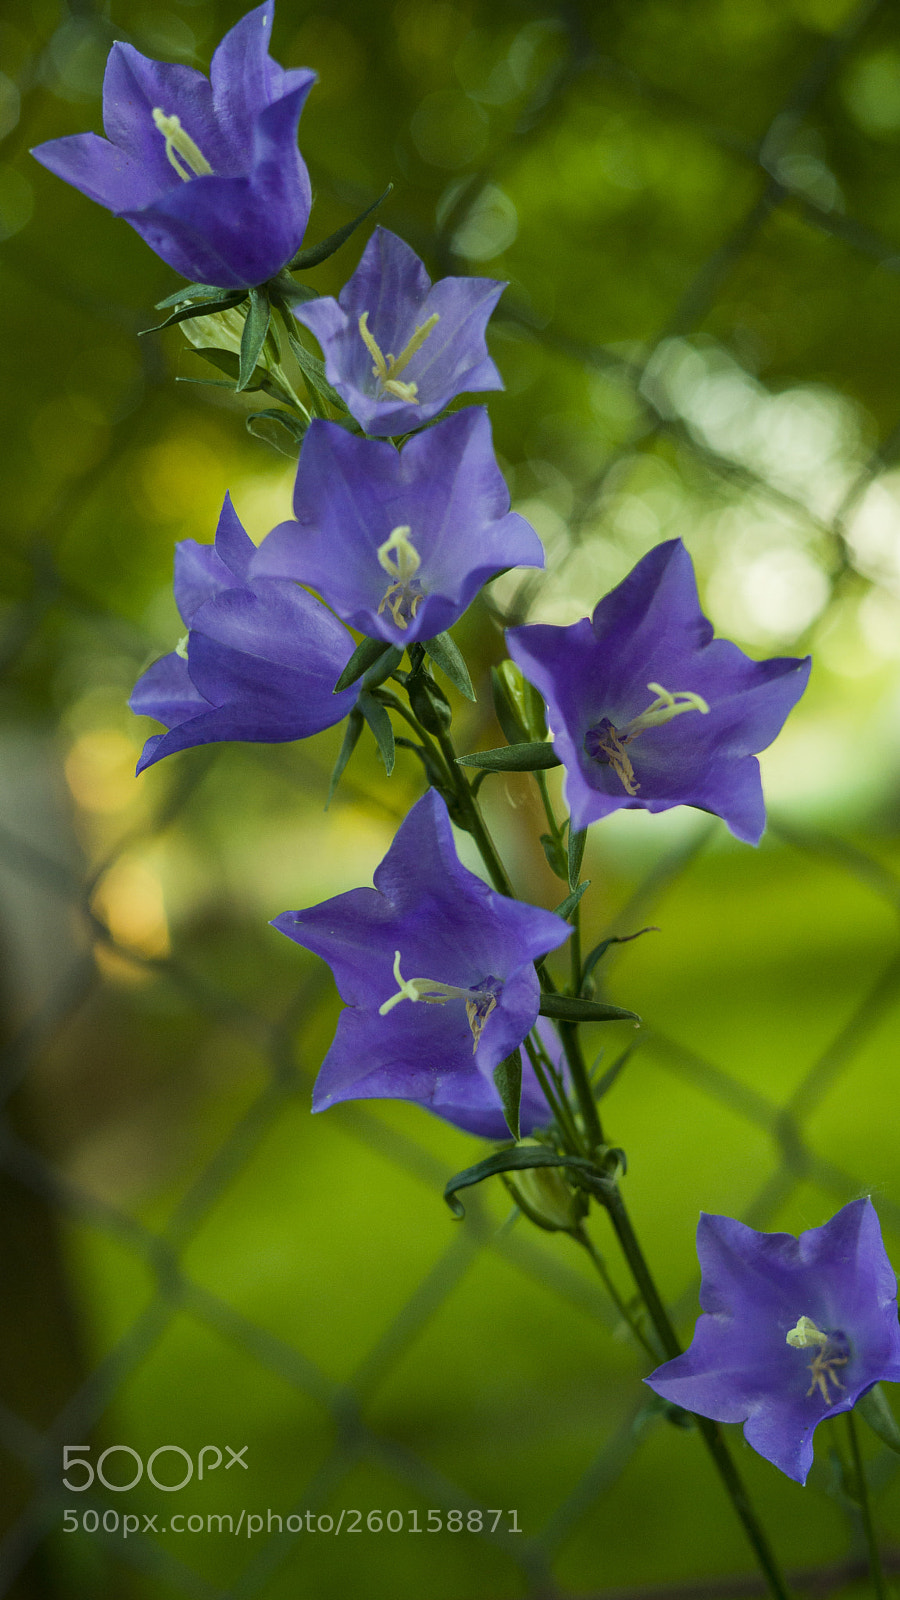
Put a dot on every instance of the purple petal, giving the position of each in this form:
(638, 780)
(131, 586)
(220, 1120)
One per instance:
(350, 495)
(392, 286)
(100, 170)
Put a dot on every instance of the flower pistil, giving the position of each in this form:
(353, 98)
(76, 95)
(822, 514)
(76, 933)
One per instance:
(387, 368)
(180, 143)
(480, 1000)
(401, 561)
(832, 1350)
(605, 743)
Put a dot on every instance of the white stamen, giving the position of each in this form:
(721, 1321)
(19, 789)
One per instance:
(663, 709)
(387, 368)
(180, 143)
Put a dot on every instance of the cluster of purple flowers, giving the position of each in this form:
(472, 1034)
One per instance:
(401, 516)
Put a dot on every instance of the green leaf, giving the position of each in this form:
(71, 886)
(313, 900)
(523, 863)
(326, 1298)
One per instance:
(256, 326)
(367, 652)
(556, 856)
(428, 701)
(516, 1158)
(508, 1079)
(355, 724)
(517, 758)
(314, 376)
(381, 726)
(194, 291)
(304, 259)
(294, 426)
(567, 906)
(576, 853)
(381, 669)
(204, 308)
(567, 1009)
(875, 1409)
(446, 654)
(599, 951)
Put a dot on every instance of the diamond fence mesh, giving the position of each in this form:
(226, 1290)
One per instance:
(189, 1259)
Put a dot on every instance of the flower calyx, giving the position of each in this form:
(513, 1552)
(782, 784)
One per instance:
(387, 368)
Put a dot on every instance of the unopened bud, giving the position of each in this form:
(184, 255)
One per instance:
(519, 707)
(545, 1197)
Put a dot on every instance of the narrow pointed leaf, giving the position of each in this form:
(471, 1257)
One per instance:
(446, 654)
(516, 758)
(568, 905)
(556, 855)
(875, 1409)
(577, 837)
(367, 652)
(188, 292)
(516, 1159)
(381, 726)
(256, 326)
(600, 950)
(567, 1009)
(228, 361)
(508, 1080)
(381, 669)
(314, 376)
(304, 259)
(354, 728)
(294, 426)
(204, 308)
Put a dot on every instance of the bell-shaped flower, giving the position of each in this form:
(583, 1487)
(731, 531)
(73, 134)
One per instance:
(397, 348)
(206, 170)
(260, 660)
(793, 1331)
(649, 710)
(398, 542)
(437, 972)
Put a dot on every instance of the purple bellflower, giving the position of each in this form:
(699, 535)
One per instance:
(649, 710)
(399, 542)
(437, 971)
(206, 170)
(793, 1331)
(260, 661)
(398, 349)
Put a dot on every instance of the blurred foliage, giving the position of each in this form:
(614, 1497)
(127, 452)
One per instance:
(695, 204)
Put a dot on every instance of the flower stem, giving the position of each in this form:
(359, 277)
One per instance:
(627, 1316)
(710, 1431)
(557, 1102)
(876, 1571)
(612, 1200)
(474, 820)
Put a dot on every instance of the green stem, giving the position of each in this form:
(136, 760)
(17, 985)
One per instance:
(876, 1571)
(710, 1431)
(555, 1101)
(627, 1315)
(474, 820)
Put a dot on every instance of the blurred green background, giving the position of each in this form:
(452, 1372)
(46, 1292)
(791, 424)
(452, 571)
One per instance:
(697, 206)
